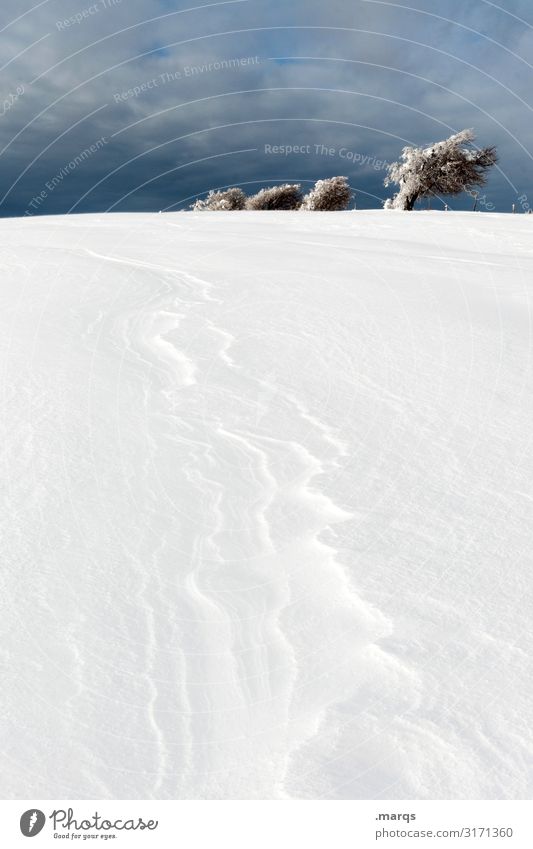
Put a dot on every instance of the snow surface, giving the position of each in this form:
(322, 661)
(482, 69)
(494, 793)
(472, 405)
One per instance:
(266, 506)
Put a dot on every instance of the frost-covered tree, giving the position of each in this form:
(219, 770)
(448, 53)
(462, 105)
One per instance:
(231, 199)
(446, 168)
(277, 197)
(328, 195)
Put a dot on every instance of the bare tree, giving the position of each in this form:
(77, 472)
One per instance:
(448, 167)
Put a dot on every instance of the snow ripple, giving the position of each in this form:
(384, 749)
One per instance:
(255, 509)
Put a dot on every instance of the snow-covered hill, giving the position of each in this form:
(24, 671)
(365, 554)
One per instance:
(267, 506)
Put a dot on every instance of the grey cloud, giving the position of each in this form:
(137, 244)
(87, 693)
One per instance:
(365, 77)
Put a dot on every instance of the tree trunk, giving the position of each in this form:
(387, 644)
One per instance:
(410, 201)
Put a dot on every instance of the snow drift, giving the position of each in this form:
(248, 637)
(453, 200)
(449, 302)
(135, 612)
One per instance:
(266, 506)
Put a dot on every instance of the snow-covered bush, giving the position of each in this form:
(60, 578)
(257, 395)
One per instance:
(231, 199)
(328, 195)
(448, 167)
(277, 197)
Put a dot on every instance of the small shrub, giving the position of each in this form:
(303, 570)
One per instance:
(328, 195)
(230, 200)
(277, 197)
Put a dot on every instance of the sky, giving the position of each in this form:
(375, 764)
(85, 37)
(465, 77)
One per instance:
(143, 105)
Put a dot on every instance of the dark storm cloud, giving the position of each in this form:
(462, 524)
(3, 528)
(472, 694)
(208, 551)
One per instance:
(134, 106)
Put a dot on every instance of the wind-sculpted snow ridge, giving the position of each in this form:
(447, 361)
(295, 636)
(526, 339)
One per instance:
(267, 506)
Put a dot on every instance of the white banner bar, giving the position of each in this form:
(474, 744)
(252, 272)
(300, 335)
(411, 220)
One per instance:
(268, 825)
